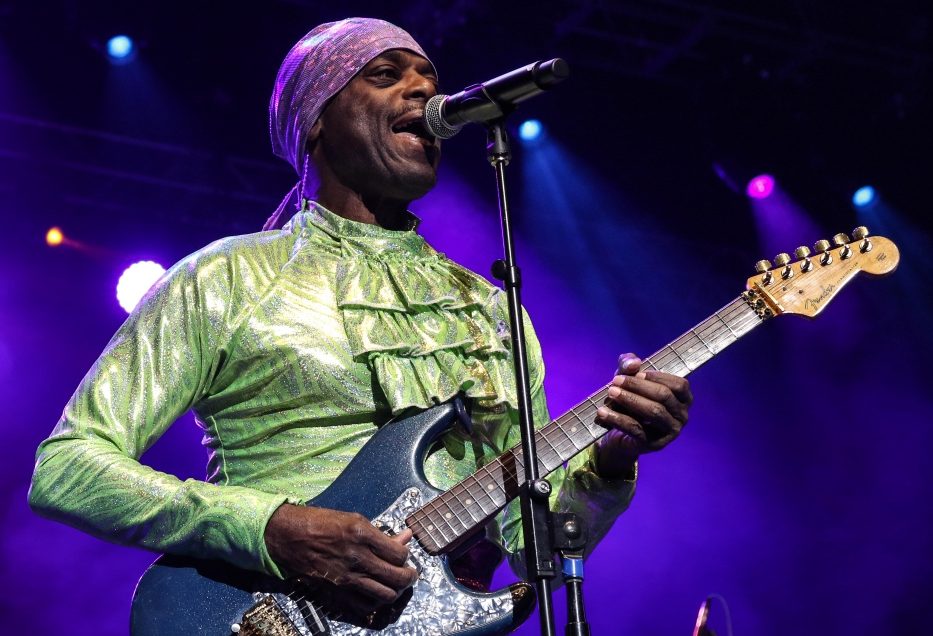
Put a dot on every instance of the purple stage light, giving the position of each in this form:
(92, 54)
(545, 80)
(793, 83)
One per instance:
(136, 281)
(760, 187)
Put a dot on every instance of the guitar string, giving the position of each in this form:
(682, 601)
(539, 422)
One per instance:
(466, 485)
(559, 449)
(725, 316)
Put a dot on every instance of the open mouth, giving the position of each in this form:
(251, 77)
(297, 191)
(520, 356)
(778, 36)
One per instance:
(413, 124)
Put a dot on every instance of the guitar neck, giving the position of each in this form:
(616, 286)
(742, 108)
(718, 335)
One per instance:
(447, 519)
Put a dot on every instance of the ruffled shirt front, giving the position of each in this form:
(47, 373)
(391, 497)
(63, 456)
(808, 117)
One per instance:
(292, 347)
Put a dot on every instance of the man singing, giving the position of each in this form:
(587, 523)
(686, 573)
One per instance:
(294, 345)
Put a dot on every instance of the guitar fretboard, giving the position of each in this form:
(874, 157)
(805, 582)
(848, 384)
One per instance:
(446, 519)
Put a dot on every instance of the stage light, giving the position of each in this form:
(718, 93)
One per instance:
(760, 187)
(136, 281)
(54, 237)
(864, 197)
(120, 48)
(530, 130)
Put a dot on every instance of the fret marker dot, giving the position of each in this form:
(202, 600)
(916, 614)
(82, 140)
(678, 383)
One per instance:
(573, 429)
(448, 515)
(468, 501)
(491, 487)
(430, 526)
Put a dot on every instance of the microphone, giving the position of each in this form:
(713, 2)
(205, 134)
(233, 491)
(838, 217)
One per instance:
(445, 115)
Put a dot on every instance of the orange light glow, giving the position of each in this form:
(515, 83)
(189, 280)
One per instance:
(54, 237)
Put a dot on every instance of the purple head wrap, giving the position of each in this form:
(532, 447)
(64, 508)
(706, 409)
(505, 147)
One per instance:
(316, 69)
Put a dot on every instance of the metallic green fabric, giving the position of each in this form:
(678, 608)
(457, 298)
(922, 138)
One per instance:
(291, 347)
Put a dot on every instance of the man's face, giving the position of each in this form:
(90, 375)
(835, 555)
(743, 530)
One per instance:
(370, 135)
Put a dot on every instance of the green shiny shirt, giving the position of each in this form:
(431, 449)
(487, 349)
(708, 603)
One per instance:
(292, 347)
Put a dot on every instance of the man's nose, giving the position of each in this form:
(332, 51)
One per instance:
(418, 86)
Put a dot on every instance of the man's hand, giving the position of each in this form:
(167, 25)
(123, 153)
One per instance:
(364, 567)
(645, 411)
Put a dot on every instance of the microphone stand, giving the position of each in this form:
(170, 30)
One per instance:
(537, 521)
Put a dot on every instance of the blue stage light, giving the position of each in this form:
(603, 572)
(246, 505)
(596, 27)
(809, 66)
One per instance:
(120, 48)
(864, 197)
(530, 130)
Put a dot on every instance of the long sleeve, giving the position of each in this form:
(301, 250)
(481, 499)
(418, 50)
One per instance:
(156, 367)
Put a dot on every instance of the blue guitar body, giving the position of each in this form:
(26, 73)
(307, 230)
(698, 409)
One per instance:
(385, 482)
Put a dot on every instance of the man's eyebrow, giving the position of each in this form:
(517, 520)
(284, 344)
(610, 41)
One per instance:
(400, 57)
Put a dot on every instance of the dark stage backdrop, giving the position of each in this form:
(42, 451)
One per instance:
(800, 491)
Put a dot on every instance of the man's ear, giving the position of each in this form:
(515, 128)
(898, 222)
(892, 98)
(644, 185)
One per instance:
(313, 135)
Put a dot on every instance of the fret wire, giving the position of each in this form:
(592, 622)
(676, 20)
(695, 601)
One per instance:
(437, 517)
(454, 490)
(423, 518)
(697, 356)
(585, 426)
(719, 314)
(727, 326)
(679, 357)
(494, 482)
(750, 322)
(565, 449)
(540, 435)
(586, 422)
(488, 469)
(719, 337)
(728, 312)
(558, 436)
(450, 514)
(564, 443)
(468, 486)
(708, 330)
(702, 340)
(728, 335)
(719, 330)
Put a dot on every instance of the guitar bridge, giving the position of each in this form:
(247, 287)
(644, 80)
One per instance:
(265, 618)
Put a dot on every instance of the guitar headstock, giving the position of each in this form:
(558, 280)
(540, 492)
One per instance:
(806, 285)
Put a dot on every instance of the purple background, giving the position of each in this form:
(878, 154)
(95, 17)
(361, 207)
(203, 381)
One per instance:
(801, 489)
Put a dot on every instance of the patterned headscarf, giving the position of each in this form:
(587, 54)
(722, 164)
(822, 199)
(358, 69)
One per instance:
(316, 69)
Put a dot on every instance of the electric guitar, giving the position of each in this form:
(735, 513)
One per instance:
(187, 596)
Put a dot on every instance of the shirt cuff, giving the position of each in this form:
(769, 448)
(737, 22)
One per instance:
(266, 564)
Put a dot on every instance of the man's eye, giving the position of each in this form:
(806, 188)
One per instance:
(386, 73)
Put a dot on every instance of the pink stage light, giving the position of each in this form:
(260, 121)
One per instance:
(760, 187)
(136, 281)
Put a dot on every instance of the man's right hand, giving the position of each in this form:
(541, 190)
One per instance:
(366, 566)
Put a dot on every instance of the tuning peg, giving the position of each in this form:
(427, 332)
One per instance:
(803, 252)
(782, 260)
(840, 239)
(821, 247)
(762, 267)
(860, 232)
